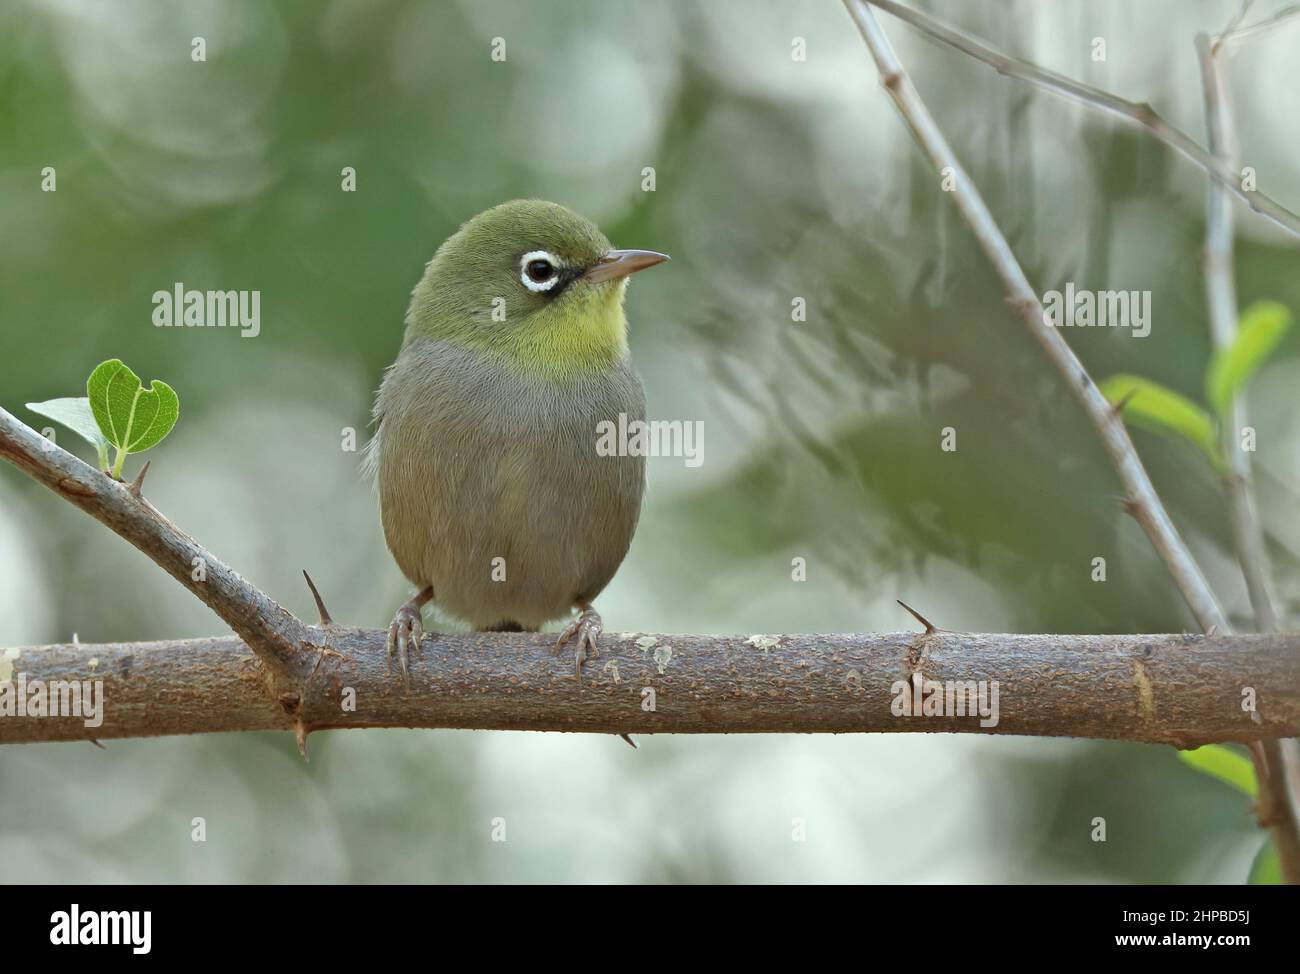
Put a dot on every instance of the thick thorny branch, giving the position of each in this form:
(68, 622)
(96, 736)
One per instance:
(1172, 689)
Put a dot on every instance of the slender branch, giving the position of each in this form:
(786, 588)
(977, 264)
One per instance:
(1221, 295)
(1235, 35)
(1278, 804)
(1138, 113)
(272, 632)
(1142, 500)
(1172, 689)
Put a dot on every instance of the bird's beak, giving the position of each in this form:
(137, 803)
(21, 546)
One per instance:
(621, 263)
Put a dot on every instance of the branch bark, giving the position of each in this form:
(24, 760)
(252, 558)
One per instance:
(1172, 689)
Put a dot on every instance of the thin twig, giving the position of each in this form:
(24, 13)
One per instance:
(1237, 18)
(1141, 500)
(1278, 807)
(1221, 295)
(1235, 35)
(1138, 113)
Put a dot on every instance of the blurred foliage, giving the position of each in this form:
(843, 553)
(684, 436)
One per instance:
(1234, 769)
(775, 180)
(1225, 764)
(1151, 405)
(1262, 326)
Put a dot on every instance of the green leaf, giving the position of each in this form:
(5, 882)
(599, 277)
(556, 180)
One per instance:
(1155, 407)
(75, 414)
(1227, 765)
(1266, 870)
(132, 418)
(1261, 328)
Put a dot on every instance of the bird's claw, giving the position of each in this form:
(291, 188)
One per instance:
(587, 628)
(405, 632)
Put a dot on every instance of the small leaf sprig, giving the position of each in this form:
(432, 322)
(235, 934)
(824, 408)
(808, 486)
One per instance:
(1149, 404)
(117, 411)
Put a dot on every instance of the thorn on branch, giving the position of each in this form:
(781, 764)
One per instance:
(325, 619)
(292, 704)
(929, 626)
(1117, 408)
(628, 738)
(138, 483)
(1145, 113)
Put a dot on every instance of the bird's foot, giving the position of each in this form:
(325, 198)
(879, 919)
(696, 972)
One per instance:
(406, 632)
(586, 629)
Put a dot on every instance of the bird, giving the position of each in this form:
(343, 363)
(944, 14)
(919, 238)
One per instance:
(494, 500)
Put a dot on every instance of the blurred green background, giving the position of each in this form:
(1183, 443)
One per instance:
(775, 179)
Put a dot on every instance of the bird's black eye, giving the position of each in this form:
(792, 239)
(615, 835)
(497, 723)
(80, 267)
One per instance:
(539, 271)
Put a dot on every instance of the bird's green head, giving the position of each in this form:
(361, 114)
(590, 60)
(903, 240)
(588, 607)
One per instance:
(532, 283)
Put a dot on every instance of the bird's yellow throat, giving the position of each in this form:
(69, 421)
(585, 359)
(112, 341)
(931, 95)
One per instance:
(582, 333)
(585, 333)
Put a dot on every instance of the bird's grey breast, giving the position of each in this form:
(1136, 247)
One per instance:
(492, 488)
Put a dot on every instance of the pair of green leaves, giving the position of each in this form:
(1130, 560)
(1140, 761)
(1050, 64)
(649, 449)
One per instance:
(1153, 406)
(1234, 769)
(117, 411)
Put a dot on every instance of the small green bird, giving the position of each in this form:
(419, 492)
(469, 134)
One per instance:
(494, 500)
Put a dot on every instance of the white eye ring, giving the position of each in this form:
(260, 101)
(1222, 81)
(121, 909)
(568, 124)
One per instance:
(545, 284)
